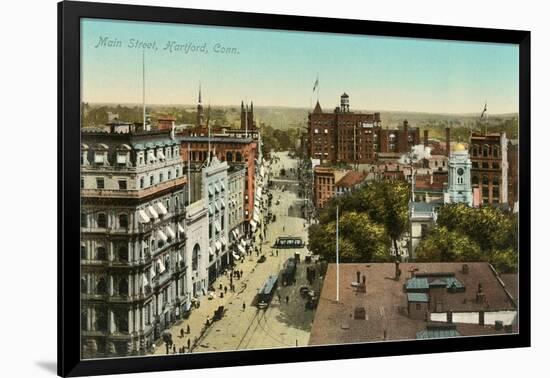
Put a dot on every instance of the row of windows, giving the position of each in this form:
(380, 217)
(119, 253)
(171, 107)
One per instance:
(485, 150)
(485, 165)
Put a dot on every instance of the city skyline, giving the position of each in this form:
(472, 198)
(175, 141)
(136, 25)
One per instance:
(279, 68)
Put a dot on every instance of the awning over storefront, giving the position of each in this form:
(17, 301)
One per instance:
(161, 208)
(217, 225)
(211, 251)
(253, 224)
(217, 206)
(243, 243)
(210, 190)
(216, 188)
(143, 217)
(259, 192)
(180, 258)
(222, 185)
(224, 242)
(235, 256)
(210, 210)
(170, 232)
(153, 274)
(161, 156)
(152, 212)
(237, 232)
(222, 202)
(180, 229)
(241, 249)
(218, 246)
(162, 235)
(144, 279)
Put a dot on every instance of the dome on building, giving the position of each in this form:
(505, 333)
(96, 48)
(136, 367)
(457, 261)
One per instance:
(459, 147)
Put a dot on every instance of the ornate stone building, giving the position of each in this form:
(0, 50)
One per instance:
(459, 187)
(133, 268)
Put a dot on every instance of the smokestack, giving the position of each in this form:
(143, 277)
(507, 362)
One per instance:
(448, 141)
(425, 138)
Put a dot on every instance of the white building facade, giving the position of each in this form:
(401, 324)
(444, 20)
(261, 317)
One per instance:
(215, 194)
(133, 277)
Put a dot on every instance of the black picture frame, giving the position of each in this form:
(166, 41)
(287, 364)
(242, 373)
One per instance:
(69, 15)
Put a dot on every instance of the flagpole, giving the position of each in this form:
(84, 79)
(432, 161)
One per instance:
(318, 86)
(337, 259)
(188, 174)
(143, 87)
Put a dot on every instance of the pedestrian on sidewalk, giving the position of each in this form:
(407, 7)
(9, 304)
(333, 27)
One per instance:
(225, 289)
(244, 306)
(174, 349)
(241, 274)
(189, 344)
(181, 333)
(188, 329)
(286, 299)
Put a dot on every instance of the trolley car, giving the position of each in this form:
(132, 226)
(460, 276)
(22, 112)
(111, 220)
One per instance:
(266, 293)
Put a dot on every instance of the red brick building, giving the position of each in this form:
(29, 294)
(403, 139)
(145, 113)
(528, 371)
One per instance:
(232, 150)
(345, 136)
(489, 156)
(324, 184)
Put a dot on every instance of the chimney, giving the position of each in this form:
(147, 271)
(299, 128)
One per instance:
(448, 141)
(426, 138)
(482, 317)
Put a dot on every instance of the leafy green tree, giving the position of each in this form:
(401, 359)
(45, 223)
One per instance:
(445, 245)
(361, 239)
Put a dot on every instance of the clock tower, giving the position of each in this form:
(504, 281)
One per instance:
(460, 187)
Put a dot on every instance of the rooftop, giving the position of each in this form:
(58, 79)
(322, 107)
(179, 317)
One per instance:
(385, 301)
(351, 179)
(215, 139)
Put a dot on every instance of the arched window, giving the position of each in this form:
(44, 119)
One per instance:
(475, 150)
(123, 220)
(496, 151)
(84, 319)
(101, 287)
(101, 319)
(485, 150)
(239, 157)
(229, 156)
(101, 253)
(475, 180)
(496, 180)
(485, 180)
(121, 321)
(83, 286)
(123, 253)
(101, 220)
(195, 257)
(123, 287)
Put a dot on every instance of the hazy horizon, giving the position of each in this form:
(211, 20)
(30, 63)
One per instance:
(279, 68)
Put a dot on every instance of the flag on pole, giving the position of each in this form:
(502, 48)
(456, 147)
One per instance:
(484, 110)
(316, 84)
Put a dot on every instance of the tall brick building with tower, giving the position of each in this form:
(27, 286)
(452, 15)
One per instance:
(355, 138)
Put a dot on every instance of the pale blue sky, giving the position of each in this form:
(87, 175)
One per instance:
(278, 68)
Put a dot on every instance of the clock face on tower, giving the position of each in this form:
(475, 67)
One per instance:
(460, 171)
